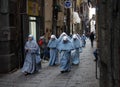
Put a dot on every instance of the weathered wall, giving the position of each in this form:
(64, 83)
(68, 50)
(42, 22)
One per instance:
(108, 13)
(48, 17)
(9, 35)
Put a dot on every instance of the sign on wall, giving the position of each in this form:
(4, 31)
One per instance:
(32, 8)
(68, 4)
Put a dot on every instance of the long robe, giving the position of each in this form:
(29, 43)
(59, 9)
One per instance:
(76, 54)
(79, 38)
(52, 44)
(32, 59)
(83, 38)
(65, 55)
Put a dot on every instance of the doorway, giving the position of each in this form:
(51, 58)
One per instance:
(32, 26)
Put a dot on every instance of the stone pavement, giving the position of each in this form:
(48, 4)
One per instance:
(82, 75)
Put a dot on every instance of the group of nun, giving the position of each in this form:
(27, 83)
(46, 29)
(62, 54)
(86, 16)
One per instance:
(64, 52)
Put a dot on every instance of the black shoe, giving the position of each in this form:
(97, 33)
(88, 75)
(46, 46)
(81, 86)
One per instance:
(67, 70)
(95, 60)
(62, 71)
(26, 73)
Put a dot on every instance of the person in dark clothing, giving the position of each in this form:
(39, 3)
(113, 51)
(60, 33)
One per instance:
(92, 38)
(44, 49)
(95, 53)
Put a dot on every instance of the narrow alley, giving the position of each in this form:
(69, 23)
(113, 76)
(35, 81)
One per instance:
(43, 21)
(82, 75)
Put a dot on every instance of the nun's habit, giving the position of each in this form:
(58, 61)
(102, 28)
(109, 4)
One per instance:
(52, 44)
(61, 36)
(75, 53)
(32, 59)
(65, 46)
(83, 38)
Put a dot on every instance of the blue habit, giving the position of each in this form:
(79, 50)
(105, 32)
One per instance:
(65, 54)
(75, 54)
(83, 38)
(32, 59)
(52, 44)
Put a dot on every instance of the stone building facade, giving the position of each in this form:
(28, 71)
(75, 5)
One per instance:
(53, 17)
(108, 16)
(17, 18)
(84, 14)
(9, 35)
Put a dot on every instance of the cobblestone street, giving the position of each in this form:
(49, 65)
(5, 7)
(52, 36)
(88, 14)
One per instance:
(82, 75)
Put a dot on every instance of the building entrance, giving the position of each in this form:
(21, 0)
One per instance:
(32, 26)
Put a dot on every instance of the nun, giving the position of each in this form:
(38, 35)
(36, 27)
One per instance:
(61, 36)
(65, 46)
(32, 61)
(75, 54)
(83, 38)
(52, 44)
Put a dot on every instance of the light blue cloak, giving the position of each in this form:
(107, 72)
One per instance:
(52, 44)
(65, 55)
(83, 39)
(75, 54)
(76, 43)
(32, 59)
(62, 35)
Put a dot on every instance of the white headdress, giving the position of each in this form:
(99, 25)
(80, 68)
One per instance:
(74, 36)
(65, 38)
(30, 35)
(53, 36)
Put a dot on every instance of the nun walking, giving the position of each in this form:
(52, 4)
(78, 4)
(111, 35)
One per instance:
(75, 54)
(52, 44)
(65, 46)
(83, 38)
(32, 61)
(61, 36)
